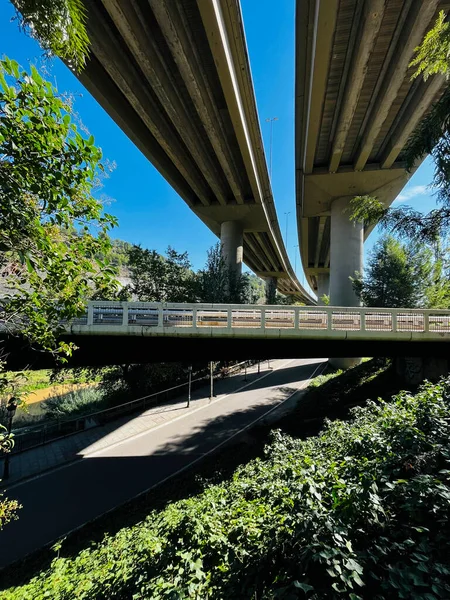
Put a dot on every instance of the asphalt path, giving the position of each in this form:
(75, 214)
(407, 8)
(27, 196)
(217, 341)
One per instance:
(66, 498)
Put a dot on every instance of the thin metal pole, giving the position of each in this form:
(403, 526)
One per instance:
(259, 367)
(271, 120)
(245, 372)
(295, 267)
(6, 463)
(286, 238)
(211, 396)
(189, 387)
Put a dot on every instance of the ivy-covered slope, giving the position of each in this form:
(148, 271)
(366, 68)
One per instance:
(360, 511)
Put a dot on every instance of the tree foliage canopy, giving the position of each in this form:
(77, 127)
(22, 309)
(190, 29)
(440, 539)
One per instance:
(156, 278)
(49, 219)
(397, 275)
(170, 278)
(58, 25)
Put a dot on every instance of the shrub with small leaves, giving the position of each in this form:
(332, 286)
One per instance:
(360, 511)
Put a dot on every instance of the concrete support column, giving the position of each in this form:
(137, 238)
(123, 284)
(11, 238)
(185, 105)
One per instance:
(346, 254)
(323, 287)
(346, 257)
(271, 290)
(231, 239)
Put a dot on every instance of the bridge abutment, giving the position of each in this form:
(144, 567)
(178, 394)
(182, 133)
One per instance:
(232, 242)
(346, 257)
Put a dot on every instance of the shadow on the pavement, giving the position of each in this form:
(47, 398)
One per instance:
(64, 499)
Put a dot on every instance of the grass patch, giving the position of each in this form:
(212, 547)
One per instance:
(31, 381)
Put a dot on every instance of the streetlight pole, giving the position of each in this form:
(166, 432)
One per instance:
(271, 120)
(286, 239)
(211, 396)
(11, 408)
(189, 385)
(295, 259)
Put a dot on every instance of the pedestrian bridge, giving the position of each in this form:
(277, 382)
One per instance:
(250, 321)
(140, 332)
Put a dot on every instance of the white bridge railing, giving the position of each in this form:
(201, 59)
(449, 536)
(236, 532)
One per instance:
(174, 319)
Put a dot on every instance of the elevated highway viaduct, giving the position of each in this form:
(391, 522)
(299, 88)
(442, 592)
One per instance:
(356, 106)
(175, 76)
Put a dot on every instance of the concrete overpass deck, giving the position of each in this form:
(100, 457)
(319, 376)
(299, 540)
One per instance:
(175, 76)
(356, 107)
(138, 332)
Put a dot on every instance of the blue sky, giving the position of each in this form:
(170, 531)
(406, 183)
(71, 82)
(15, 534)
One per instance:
(149, 211)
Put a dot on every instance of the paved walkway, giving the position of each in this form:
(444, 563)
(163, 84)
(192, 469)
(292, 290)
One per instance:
(43, 458)
(113, 464)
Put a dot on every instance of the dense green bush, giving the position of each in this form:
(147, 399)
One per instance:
(360, 511)
(81, 401)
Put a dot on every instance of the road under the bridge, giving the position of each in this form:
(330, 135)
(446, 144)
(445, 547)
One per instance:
(64, 499)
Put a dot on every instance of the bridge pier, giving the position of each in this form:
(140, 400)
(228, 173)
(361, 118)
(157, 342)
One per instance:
(346, 257)
(271, 290)
(232, 242)
(323, 287)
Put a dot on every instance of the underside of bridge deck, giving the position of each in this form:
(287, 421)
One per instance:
(117, 350)
(175, 76)
(356, 106)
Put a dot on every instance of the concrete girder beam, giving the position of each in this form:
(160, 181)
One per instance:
(184, 53)
(372, 18)
(415, 112)
(133, 27)
(267, 251)
(412, 33)
(104, 90)
(324, 25)
(129, 81)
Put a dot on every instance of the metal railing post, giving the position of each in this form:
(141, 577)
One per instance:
(160, 316)
(229, 318)
(124, 314)
(329, 318)
(426, 322)
(394, 321)
(362, 320)
(263, 318)
(194, 318)
(296, 317)
(90, 315)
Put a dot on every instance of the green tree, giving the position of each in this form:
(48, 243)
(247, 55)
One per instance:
(397, 275)
(157, 278)
(49, 219)
(221, 285)
(52, 228)
(58, 25)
